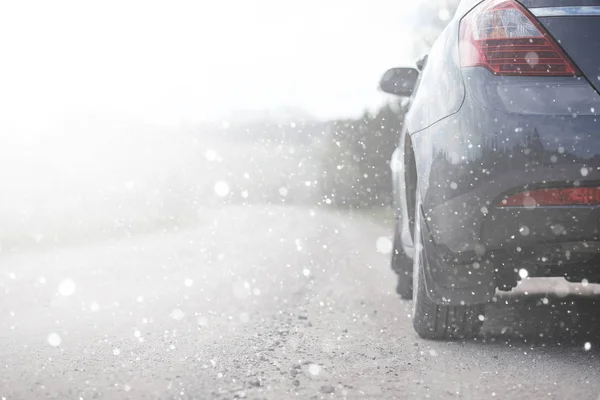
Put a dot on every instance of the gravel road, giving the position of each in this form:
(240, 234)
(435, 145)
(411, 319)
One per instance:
(271, 302)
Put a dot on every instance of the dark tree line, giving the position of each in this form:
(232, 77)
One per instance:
(357, 152)
(355, 158)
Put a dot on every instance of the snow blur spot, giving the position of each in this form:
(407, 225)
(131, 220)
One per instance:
(221, 188)
(584, 282)
(127, 388)
(545, 301)
(202, 321)
(562, 288)
(523, 273)
(484, 210)
(211, 155)
(137, 333)
(140, 299)
(244, 317)
(557, 229)
(306, 272)
(177, 314)
(54, 340)
(188, 282)
(587, 346)
(453, 185)
(314, 369)
(524, 230)
(584, 171)
(256, 291)
(433, 353)
(283, 191)
(66, 287)
(481, 317)
(94, 306)
(553, 159)
(532, 58)
(298, 244)
(529, 202)
(480, 250)
(244, 194)
(384, 245)
(116, 352)
(292, 344)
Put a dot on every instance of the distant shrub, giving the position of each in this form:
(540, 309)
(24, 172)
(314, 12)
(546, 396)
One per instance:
(355, 159)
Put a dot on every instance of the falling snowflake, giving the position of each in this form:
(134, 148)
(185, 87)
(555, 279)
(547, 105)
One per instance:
(66, 287)
(314, 369)
(221, 189)
(523, 273)
(54, 340)
(384, 245)
(177, 314)
(211, 155)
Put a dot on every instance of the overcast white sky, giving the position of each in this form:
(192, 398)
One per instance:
(186, 61)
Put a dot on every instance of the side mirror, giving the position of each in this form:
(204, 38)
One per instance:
(421, 63)
(399, 81)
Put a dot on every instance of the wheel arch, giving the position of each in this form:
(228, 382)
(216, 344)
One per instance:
(410, 179)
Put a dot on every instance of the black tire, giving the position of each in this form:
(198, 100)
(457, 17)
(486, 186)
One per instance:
(403, 267)
(434, 321)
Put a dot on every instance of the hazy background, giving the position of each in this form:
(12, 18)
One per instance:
(120, 116)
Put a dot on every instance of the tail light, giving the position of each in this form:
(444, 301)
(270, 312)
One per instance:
(579, 196)
(502, 36)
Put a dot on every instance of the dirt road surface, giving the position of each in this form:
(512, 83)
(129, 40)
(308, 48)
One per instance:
(271, 302)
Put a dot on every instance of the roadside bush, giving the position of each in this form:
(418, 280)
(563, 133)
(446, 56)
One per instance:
(356, 159)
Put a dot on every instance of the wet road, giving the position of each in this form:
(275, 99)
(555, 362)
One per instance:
(270, 302)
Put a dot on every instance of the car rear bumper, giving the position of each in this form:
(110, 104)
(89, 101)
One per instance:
(493, 146)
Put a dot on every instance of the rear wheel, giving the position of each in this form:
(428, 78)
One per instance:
(403, 266)
(431, 320)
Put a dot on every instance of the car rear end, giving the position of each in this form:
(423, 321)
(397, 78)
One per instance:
(515, 174)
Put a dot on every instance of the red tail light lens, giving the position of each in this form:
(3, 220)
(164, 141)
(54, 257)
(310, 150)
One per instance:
(505, 38)
(583, 196)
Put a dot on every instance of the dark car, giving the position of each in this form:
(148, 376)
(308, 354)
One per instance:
(497, 169)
